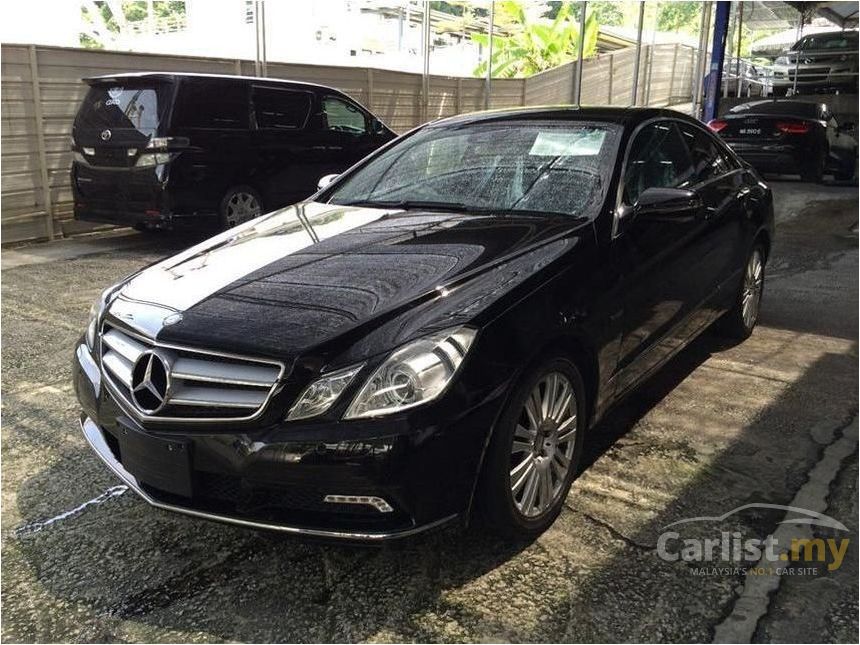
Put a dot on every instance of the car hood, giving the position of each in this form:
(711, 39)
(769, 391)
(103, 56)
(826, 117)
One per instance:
(303, 276)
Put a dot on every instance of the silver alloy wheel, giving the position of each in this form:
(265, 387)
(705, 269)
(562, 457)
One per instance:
(543, 445)
(241, 207)
(751, 295)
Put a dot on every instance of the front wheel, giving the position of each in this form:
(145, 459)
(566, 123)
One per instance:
(240, 204)
(739, 322)
(533, 456)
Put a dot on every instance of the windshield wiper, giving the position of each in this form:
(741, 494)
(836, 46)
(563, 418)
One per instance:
(409, 204)
(500, 211)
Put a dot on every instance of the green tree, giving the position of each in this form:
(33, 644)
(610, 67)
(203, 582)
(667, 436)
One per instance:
(608, 12)
(535, 45)
(679, 16)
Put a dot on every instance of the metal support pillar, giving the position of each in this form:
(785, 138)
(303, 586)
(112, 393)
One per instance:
(425, 75)
(718, 55)
(701, 61)
(797, 56)
(635, 90)
(577, 88)
(740, 33)
(489, 88)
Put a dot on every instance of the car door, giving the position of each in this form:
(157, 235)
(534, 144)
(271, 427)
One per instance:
(213, 114)
(284, 142)
(718, 247)
(657, 255)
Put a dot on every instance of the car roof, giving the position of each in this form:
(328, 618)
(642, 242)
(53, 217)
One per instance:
(171, 76)
(627, 116)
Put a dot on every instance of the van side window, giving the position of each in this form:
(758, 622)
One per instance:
(709, 161)
(278, 109)
(343, 117)
(658, 159)
(213, 104)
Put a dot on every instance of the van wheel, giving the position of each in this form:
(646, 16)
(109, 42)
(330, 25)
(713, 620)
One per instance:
(240, 204)
(535, 450)
(846, 172)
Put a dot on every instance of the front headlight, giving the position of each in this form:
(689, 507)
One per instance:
(781, 60)
(96, 311)
(319, 395)
(414, 374)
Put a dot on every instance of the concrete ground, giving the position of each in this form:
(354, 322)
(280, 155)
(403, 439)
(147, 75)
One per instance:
(772, 420)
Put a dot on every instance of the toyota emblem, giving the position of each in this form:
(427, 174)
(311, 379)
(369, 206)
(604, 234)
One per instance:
(106, 135)
(150, 382)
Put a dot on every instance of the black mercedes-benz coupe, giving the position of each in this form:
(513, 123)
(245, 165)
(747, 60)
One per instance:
(433, 333)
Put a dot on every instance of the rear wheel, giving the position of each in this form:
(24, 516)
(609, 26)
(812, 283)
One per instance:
(533, 456)
(738, 323)
(240, 204)
(846, 172)
(812, 170)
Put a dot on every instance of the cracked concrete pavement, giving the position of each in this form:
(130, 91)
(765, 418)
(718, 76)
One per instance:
(719, 427)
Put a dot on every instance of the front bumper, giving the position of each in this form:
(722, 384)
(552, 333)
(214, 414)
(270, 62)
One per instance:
(96, 438)
(278, 478)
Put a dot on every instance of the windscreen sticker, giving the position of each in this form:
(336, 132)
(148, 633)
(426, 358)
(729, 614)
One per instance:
(568, 144)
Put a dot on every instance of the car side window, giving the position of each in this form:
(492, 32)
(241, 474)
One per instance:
(281, 109)
(342, 116)
(213, 104)
(658, 158)
(709, 161)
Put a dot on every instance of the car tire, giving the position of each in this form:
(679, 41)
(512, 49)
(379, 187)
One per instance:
(239, 205)
(525, 503)
(846, 172)
(812, 171)
(148, 230)
(738, 323)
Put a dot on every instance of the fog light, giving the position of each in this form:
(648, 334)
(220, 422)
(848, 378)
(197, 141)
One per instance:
(376, 502)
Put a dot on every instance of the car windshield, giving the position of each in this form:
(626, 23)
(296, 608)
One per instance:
(510, 167)
(842, 40)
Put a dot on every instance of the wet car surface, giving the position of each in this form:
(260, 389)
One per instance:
(85, 560)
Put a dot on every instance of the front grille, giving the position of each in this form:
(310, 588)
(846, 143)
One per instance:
(200, 385)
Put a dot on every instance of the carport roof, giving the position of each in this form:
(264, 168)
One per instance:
(765, 14)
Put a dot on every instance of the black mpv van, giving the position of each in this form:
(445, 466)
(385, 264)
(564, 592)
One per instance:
(158, 150)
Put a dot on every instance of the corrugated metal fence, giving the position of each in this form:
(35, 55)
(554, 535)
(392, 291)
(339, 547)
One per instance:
(41, 89)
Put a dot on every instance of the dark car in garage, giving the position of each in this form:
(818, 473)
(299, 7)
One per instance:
(793, 137)
(435, 332)
(159, 150)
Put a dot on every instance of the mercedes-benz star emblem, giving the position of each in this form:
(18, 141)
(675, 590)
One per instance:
(105, 135)
(150, 382)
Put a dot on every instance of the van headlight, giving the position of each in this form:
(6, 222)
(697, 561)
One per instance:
(415, 374)
(781, 60)
(152, 159)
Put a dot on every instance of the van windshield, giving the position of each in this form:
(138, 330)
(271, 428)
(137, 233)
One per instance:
(128, 111)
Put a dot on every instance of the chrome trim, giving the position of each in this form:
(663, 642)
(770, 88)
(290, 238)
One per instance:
(129, 406)
(93, 435)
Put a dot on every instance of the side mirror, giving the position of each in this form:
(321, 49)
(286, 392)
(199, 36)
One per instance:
(325, 180)
(376, 126)
(668, 204)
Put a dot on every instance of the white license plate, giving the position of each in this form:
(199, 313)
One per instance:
(750, 131)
